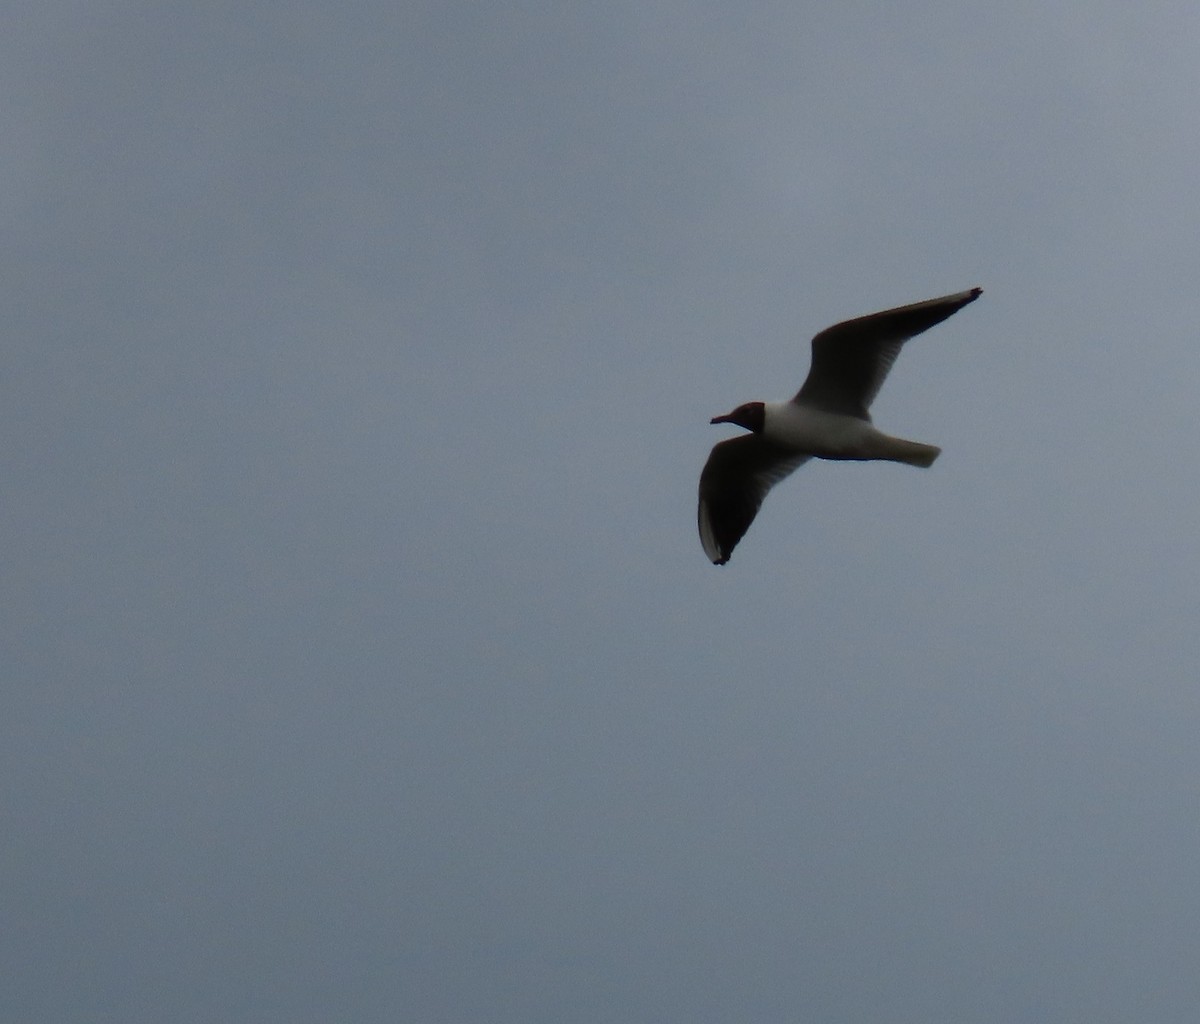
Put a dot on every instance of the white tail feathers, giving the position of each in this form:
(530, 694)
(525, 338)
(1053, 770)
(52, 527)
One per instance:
(912, 453)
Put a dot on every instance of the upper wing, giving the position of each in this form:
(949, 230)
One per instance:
(850, 360)
(736, 478)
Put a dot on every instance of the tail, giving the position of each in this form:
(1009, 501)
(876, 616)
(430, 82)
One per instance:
(911, 453)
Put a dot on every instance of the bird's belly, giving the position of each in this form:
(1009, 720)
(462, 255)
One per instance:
(824, 435)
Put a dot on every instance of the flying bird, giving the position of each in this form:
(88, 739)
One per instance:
(827, 419)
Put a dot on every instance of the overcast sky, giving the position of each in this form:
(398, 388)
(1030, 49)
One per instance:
(360, 659)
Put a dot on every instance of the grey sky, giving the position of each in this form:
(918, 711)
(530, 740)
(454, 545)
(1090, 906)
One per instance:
(362, 662)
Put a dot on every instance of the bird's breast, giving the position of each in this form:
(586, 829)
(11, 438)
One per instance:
(826, 435)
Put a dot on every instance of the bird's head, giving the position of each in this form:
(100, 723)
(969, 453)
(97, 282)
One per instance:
(752, 416)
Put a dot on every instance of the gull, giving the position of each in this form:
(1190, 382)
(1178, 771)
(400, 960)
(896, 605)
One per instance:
(826, 419)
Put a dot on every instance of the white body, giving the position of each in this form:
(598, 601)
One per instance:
(830, 435)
